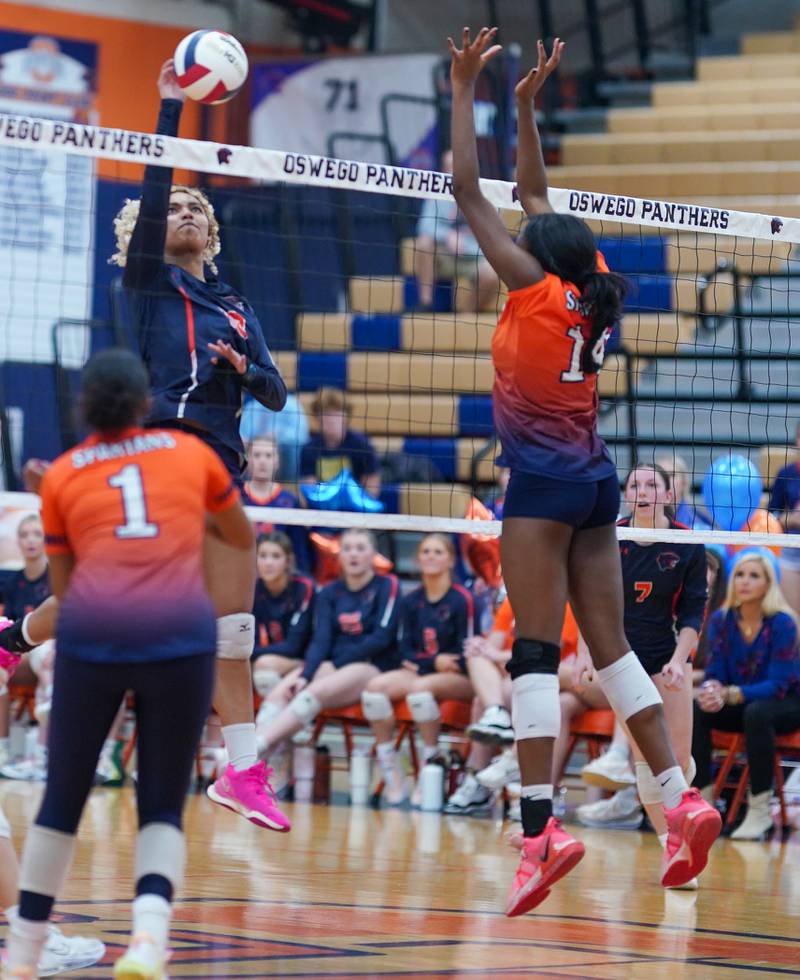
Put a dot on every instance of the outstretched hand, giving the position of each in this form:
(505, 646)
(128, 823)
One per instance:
(468, 62)
(227, 353)
(168, 87)
(528, 87)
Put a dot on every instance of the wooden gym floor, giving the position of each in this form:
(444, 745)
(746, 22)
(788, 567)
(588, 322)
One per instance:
(359, 893)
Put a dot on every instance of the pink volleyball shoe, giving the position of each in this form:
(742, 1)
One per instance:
(249, 794)
(692, 827)
(544, 860)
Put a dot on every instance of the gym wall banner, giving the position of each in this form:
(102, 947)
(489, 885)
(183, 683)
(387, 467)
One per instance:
(332, 107)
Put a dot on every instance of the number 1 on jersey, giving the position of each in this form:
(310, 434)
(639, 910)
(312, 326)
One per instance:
(134, 505)
(574, 373)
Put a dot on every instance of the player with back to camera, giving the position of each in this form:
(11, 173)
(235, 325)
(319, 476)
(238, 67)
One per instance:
(204, 348)
(665, 601)
(559, 533)
(125, 514)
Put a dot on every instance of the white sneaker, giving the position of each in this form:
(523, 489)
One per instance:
(609, 771)
(503, 769)
(622, 811)
(791, 788)
(494, 727)
(64, 953)
(30, 770)
(470, 797)
(395, 785)
(144, 960)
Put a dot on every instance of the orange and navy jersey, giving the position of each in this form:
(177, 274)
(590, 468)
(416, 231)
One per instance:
(545, 405)
(504, 623)
(665, 591)
(132, 514)
(283, 622)
(430, 628)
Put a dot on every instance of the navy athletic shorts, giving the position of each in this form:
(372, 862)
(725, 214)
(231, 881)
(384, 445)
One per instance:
(581, 505)
(233, 462)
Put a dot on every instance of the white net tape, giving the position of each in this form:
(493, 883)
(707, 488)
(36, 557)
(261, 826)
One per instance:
(450, 525)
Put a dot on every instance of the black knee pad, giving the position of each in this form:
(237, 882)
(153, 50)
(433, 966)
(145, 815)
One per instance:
(533, 657)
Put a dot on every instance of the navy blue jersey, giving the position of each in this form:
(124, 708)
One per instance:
(430, 628)
(665, 591)
(175, 316)
(21, 595)
(355, 626)
(283, 622)
(297, 534)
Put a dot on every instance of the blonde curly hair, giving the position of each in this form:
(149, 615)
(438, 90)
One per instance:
(126, 218)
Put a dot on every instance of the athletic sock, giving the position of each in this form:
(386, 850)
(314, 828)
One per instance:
(151, 916)
(25, 942)
(673, 785)
(536, 808)
(240, 742)
(429, 751)
(385, 755)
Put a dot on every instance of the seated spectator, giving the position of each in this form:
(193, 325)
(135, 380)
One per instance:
(336, 447)
(752, 683)
(288, 428)
(784, 503)
(263, 490)
(23, 591)
(354, 639)
(681, 480)
(283, 608)
(717, 582)
(436, 619)
(445, 248)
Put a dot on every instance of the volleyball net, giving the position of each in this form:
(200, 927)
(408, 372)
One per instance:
(365, 282)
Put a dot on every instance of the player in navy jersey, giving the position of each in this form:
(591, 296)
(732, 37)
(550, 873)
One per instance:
(665, 600)
(562, 501)
(354, 639)
(436, 620)
(283, 608)
(263, 490)
(204, 349)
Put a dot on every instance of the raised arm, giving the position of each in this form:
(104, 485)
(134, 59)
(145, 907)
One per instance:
(531, 173)
(146, 248)
(516, 267)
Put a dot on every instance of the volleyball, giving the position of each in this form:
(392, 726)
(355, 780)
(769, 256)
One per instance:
(211, 66)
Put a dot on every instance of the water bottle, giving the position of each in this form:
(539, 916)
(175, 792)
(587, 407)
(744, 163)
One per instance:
(360, 778)
(431, 784)
(303, 765)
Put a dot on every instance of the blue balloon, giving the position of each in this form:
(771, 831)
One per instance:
(731, 491)
(341, 493)
(752, 552)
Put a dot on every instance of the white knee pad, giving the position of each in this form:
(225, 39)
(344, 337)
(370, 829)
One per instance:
(46, 858)
(265, 680)
(535, 708)
(236, 636)
(305, 706)
(5, 826)
(376, 706)
(423, 707)
(628, 688)
(38, 655)
(647, 785)
(161, 850)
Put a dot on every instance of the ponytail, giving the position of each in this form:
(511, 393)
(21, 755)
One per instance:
(602, 294)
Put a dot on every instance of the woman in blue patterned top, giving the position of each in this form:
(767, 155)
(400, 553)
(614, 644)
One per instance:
(752, 682)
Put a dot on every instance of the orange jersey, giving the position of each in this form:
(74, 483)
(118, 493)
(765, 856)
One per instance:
(545, 405)
(504, 623)
(132, 513)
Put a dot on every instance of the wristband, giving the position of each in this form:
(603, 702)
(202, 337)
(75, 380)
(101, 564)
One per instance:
(733, 695)
(12, 638)
(250, 376)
